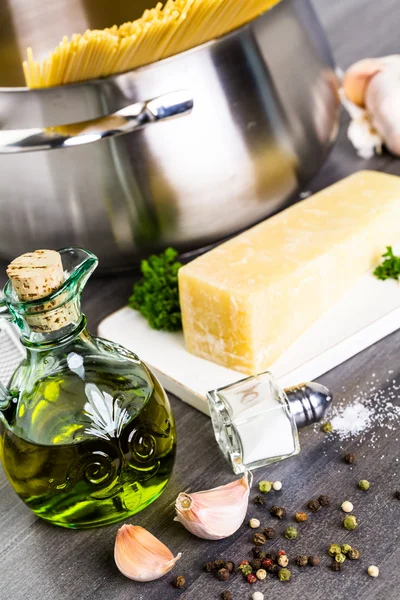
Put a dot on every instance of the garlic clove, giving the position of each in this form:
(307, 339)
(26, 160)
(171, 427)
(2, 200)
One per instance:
(383, 104)
(217, 513)
(357, 78)
(141, 556)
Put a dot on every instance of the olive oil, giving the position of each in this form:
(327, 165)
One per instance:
(89, 451)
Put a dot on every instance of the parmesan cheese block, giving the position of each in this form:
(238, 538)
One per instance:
(246, 301)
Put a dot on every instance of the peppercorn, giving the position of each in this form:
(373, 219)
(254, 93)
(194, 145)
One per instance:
(397, 494)
(313, 505)
(259, 501)
(244, 562)
(230, 566)
(261, 574)
(340, 558)
(254, 523)
(291, 533)
(278, 511)
(265, 486)
(271, 555)
(269, 533)
(353, 554)
(300, 517)
(335, 566)
(219, 564)
(364, 485)
(334, 549)
(283, 560)
(256, 563)
(373, 571)
(350, 522)
(274, 569)
(346, 548)
(251, 578)
(347, 506)
(284, 575)
(209, 566)
(282, 553)
(256, 550)
(324, 500)
(301, 560)
(245, 570)
(277, 486)
(313, 561)
(350, 459)
(259, 539)
(223, 574)
(267, 563)
(326, 427)
(179, 582)
(226, 595)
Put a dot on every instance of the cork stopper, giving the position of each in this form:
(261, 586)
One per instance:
(36, 275)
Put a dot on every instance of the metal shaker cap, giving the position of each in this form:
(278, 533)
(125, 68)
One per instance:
(309, 402)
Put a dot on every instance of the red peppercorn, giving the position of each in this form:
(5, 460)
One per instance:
(251, 578)
(267, 562)
(281, 553)
(244, 562)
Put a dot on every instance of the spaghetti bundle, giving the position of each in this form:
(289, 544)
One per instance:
(160, 32)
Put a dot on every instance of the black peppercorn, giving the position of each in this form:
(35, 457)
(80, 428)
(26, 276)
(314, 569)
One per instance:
(397, 494)
(313, 561)
(209, 566)
(256, 552)
(226, 595)
(278, 512)
(223, 574)
(324, 500)
(269, 533)
(259, 539)
(179, 582)
(230, 566)
(301, 560)
(350, 459)
(219, 564)
(313, 505)
(259, 501)
(274, 569)
(353, 554)
(256, 563)
(335, 566)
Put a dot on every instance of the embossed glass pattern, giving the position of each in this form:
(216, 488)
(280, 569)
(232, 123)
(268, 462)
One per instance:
(87, 434)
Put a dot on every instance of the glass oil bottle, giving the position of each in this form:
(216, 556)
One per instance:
(87, 436)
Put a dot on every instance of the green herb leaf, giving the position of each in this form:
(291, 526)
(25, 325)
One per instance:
(156, 295)
(390, 268)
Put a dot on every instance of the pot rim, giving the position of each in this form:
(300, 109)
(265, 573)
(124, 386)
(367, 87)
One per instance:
(141, 69)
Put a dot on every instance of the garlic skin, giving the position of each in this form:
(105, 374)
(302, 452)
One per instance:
(141, 556)
(217, 513)
(382, 101)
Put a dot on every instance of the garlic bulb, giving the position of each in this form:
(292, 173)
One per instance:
(141, 556)
(382, 100)
(217, 513)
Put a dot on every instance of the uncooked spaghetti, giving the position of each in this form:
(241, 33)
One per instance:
(160, 32)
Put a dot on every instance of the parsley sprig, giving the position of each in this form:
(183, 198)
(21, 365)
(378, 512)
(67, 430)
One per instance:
(156, 295)
(390, 268)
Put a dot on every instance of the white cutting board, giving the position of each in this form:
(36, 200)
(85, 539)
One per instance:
(366, 314)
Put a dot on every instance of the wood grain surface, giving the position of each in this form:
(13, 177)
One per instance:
(42, 562)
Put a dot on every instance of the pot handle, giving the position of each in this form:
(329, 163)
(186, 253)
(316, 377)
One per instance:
(123, 121)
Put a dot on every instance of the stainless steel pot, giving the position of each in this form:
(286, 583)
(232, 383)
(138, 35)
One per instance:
(256, 112)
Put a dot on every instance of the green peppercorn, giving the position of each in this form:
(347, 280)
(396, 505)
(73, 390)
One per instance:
(340, 558)
(245, 570)
(326, 427)
(346, 548)
(364, 485)
(353, 554)
(350, 523)
(334, 549)
(265, 486)
(284, 574)
(291, 533)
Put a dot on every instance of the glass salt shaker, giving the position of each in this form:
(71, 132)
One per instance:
(256, 422)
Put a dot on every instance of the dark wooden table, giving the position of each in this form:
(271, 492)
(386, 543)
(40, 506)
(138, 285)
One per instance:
(41, 562)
